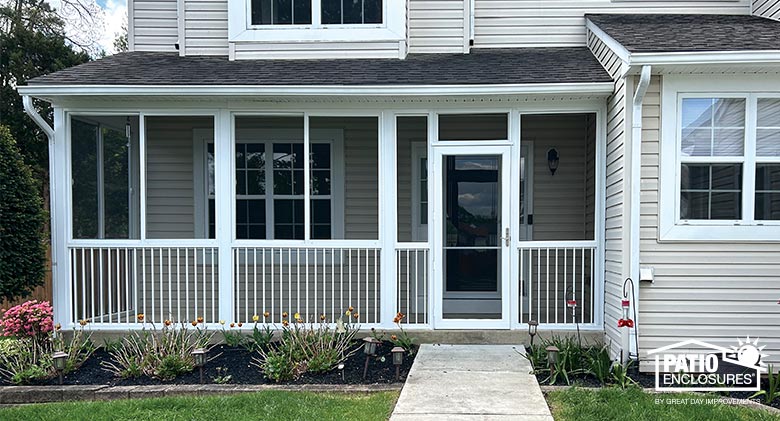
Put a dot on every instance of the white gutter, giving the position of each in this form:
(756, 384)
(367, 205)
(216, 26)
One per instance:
(598, 88)
(635, 196)
(29, 108)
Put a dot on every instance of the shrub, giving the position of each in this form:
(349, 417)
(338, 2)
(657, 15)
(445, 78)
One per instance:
(163, 355)
(29, 319)
(307, 347)
(22, 224)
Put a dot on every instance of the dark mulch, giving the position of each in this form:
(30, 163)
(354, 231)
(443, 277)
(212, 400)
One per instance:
(237, 363)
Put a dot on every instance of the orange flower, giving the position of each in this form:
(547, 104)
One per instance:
(57, 326)
(356, 315)
(194, 323)
(232, 325)
(267, 314)
(240, 324)
(284, 315)
(394, 337)
(140, 317)
(322, 317)
(200, 319)
(350, 308)
(167, 322)
(285, 323)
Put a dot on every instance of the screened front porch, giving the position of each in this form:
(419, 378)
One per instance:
(448, 217)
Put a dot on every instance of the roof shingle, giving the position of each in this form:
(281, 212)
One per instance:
(481, 67)
(689, 33)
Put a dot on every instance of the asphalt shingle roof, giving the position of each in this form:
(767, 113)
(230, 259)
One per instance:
(680, 33)
(481, 67)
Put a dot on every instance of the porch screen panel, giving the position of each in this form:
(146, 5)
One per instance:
(179, 177)
(104, 171)
(473, 126)
(412, 177)
(344, 178)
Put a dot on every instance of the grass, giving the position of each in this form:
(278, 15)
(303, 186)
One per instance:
(634, 404)
(266, 405)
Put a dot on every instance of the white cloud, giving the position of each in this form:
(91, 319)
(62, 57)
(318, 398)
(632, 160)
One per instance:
(98, 31)
(115, 16)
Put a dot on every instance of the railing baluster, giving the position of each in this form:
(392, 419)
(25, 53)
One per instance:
(565, 270)
(143, 283)
(178, 283)
(582, 288)
(186, 284)
(170, 289)
(332, 284)
(556, 287)
(376, 285)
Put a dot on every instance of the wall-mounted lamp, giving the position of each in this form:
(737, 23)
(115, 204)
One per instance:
(553, 158)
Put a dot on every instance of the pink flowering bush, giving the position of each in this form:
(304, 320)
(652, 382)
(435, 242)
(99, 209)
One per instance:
(29, 319)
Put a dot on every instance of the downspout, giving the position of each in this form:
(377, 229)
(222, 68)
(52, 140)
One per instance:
(29, 108)
(635, 199)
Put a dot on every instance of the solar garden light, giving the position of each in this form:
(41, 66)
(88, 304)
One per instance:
(398, 359)
(60, 359)
(533, 325)
(369, 348)
(552, 357)
(199, 355)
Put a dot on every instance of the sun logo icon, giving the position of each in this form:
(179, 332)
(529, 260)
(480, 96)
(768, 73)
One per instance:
(749, 353)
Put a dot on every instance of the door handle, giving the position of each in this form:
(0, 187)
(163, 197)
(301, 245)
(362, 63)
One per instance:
(507, 238)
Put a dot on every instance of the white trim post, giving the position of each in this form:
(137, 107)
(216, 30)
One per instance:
(61, 297)
(223, 195)
(388, 224)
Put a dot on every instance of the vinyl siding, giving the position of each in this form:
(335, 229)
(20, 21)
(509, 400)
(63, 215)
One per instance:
(154, 25)
(436, 26)
(557, 23)
(205, 27)
(292, 50)
(615, 249)
(767, 8)
(714, 292)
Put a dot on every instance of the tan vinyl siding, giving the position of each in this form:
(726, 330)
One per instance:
(170, 191)
(714, 292)
(155, 25)
(205, 27)
(767, 8)
(558, 23)
(436, 26)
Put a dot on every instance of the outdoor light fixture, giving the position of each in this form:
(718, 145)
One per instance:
(60, 359)
(398, 359)
(369, 348)
(533, 325)
(199, 355)
(552, 357)
(553, 158)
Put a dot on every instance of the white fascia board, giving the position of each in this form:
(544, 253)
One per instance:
(706, 57)
(610, 42)
(595, 88)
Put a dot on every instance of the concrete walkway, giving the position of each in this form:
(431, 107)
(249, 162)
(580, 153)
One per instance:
(471, 382)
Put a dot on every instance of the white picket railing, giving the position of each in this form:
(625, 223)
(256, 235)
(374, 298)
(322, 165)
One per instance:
(413, 273)
(552, 273)
(112, 285)
(311, 281)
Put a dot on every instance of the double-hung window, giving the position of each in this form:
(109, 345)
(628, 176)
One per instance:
(270, 190)
(721, 162)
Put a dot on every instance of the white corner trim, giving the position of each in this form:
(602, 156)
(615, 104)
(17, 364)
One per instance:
(595, 88)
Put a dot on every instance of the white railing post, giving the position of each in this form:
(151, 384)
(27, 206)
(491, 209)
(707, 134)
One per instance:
(387, 218)
(223, 180)
(61, 266)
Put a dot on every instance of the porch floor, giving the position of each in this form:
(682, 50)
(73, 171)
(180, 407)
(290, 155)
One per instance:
(465, 382)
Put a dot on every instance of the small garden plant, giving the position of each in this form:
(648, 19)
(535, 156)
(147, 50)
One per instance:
(32, 338)
(163, 354)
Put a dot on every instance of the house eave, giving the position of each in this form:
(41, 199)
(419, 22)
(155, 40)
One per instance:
(766, 57)
(52, 91)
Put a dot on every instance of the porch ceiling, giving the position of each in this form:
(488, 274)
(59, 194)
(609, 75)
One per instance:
(497, 71)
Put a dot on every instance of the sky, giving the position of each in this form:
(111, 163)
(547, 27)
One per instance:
(114, 12)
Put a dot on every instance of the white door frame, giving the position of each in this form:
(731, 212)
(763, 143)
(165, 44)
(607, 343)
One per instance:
(505, 152)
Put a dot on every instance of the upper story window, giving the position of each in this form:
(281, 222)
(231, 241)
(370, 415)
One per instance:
(316, 20)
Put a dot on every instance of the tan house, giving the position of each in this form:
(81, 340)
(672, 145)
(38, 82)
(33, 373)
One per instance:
(474, 164)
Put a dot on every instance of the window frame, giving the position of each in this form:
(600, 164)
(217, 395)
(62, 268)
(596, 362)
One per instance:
(333, 137)
(671, 226)
(392, 28)
(419, 152)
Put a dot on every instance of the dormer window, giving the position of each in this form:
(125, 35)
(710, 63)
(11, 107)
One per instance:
(331, 12)
(269, 21)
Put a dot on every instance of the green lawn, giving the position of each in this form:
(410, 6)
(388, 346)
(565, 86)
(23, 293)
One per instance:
(633, 404)
(267, 405)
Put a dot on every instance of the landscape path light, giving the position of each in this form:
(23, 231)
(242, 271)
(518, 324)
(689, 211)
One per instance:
(552, 357)
(199, 355)
(369, 348)
(60, 360)
(533, 326)
(398, 359)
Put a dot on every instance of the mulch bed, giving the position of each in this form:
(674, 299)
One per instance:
(237, 362)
